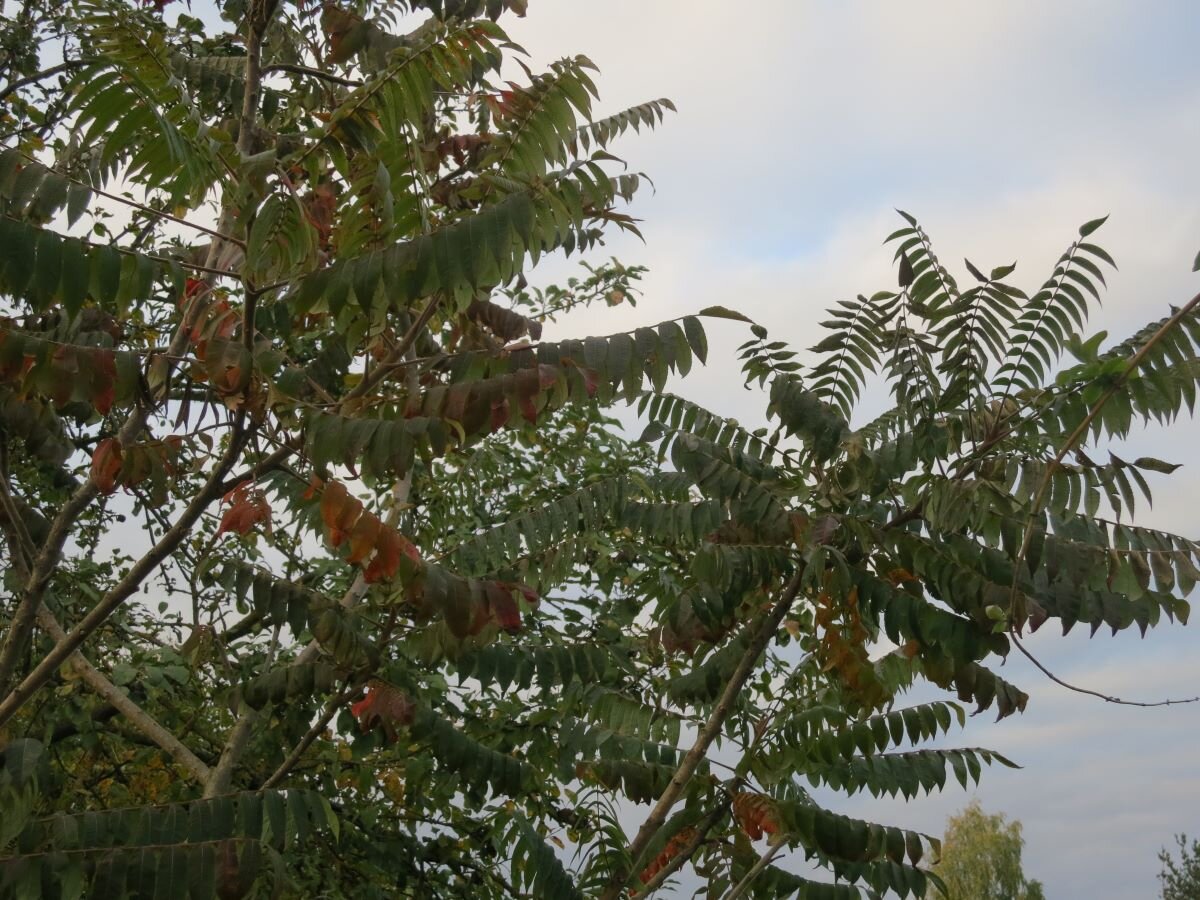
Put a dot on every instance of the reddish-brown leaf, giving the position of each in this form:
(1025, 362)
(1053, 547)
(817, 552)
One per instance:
(387, 556)
(339, 511)
(385, 705)
(591, 378)
(503, 606)
(104, 379)
(500, 413)
(106, 464)
(364, 536)
(247, 507)
(674, 847)
(756, 814)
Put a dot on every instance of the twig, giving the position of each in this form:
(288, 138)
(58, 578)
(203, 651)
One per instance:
(123, 589)
(22, 554)
(38, 76)
(773, 847)
(1088, 691)
(397, 357)
(138, 717)
(311, 735)
(312, 73)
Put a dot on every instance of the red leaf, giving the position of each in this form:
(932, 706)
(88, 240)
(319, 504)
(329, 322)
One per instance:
(339, 511)
(547, 376)
(106, 464)
(391, 549)
(386, 705)
(104, 379)
(387, 557)
(363, 537)
(591, 378)
(500, 413)
(755, 814)
(674, 847)
(248, 507)
(503, 607)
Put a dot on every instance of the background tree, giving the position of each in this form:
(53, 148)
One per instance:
(981, 858)
(1180, 879)
(390, 575)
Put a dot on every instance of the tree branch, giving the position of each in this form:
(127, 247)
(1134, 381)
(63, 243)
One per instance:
(773, 847)
(1081, 430)
(712, 728)
(311, 735)
(119, 700)
(119, 592)
(22, 550)
(19, 83)
(1088, 691)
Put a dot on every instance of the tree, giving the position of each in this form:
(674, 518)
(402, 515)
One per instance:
(388, 573)
(1180, 880)
(981, 858)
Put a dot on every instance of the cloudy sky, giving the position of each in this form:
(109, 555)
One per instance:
(1002, 126)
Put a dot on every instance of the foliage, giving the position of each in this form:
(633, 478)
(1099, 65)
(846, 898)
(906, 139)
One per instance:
(328, 570)
(1180, 879)
(981, 858)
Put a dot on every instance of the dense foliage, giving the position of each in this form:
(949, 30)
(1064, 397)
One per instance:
(981, 858)
(326, 571)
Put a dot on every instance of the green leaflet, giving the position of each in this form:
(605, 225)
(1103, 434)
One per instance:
(170, 850)
(46, 268)
(538, 865)
(477, 764)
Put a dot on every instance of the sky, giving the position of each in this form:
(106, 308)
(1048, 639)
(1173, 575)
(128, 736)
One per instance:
(802, 126)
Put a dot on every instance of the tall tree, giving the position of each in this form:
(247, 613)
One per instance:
(981, 858)
(1180, 879)
(311, 530)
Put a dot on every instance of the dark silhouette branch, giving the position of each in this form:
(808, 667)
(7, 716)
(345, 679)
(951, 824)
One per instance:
(1081, 690)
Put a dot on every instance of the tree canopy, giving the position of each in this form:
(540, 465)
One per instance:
(328, 570)
(981, 858)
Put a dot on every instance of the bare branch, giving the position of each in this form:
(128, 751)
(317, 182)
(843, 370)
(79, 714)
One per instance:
(19, 83)
(1088, 691)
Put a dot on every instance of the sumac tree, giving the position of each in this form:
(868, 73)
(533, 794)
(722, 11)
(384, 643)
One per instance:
(326, 569)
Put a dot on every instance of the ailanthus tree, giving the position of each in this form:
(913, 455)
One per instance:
(327, 572)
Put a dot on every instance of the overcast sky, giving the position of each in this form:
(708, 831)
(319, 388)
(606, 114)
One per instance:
(1002, 126)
